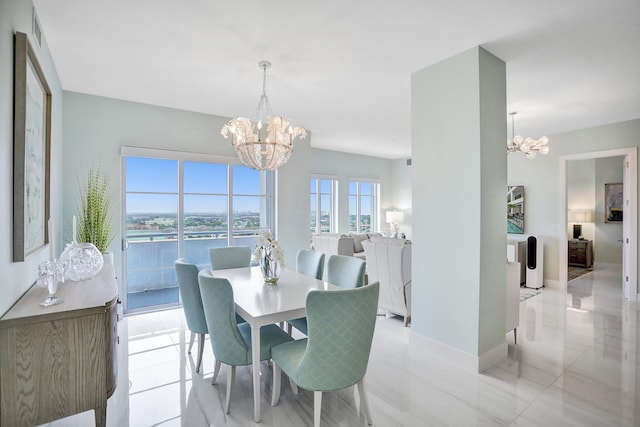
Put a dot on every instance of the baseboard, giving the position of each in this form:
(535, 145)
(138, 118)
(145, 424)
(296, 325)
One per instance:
(554, 284)
(462, 359)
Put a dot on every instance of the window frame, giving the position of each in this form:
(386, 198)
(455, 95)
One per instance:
(375, 205)
(333, 210)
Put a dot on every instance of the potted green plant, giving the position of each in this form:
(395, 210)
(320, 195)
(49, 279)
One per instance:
(94, 210)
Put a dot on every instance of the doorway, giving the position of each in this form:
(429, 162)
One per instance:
(629, 227)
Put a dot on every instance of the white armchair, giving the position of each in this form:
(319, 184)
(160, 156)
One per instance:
(389, 262)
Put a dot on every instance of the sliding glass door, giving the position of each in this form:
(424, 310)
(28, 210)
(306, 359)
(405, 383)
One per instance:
(180, 208)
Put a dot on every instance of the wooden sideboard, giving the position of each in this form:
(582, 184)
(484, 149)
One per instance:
(60, 360)
(581, 253)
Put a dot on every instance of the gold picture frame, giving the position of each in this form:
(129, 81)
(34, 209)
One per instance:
(613, 197)
(31, 151)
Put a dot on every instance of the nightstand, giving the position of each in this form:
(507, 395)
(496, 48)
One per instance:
(581, 253)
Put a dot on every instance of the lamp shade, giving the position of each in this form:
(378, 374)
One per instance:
(394, 217)
(580, 215)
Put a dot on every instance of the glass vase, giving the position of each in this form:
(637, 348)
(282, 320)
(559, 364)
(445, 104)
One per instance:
(269, 266)
(81, 261)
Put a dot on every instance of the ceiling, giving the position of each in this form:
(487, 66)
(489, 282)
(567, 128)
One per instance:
(342, 69)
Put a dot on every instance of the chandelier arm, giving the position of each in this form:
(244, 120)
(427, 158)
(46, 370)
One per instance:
(275, 149)
(528, 146)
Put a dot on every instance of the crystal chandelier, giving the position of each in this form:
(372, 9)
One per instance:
(529, 146)
(256, 148)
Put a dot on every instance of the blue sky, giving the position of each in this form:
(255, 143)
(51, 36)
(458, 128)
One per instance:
(207, 180)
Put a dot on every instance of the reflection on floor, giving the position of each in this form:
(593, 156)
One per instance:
(576, 364)
(575, 272)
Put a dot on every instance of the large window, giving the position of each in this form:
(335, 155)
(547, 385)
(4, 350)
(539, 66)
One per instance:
(363, 206)
(182, 207)
(323, 205)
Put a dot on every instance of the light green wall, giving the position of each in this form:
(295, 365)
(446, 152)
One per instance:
(542, 181)
(345, 166)
(96, 127)
(458, 184)
(607, 245)
(15, 15)
(401, 193)
(581, 192)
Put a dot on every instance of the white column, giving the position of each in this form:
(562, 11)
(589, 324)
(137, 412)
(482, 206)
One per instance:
(459, 176)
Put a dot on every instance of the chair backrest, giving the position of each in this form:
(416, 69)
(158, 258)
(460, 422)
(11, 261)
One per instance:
(345, 271)
(310, 262)
(226, 340)
(389, 262)
(190, 294)
(341, 324)
(230, 257)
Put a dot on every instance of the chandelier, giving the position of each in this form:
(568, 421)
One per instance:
(258, 148)
(529, 146)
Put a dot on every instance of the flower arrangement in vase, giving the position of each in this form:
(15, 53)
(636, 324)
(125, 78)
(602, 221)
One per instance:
(270, 255)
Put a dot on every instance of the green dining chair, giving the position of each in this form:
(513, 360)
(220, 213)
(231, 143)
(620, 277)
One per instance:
(230, 257)
(336, 353)
(230, 341)
(344, 271)
(310, 263)
(189, 289)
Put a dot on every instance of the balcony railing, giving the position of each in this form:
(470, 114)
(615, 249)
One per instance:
(150, 256)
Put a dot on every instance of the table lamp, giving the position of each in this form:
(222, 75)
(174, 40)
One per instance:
(393, 218)
(578, 216)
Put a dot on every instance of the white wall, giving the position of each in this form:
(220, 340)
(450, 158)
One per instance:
(15, 15)
(542, 182)
(96, 127)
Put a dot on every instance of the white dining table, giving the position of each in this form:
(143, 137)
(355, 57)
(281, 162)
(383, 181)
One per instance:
(261, 304)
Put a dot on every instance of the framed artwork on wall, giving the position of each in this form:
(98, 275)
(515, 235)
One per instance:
(515, 209)
(31, 151)
(613, 202)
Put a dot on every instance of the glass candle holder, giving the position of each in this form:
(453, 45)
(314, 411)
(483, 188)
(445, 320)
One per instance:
(50, 273)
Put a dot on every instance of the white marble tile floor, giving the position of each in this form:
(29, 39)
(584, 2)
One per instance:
(576, 364)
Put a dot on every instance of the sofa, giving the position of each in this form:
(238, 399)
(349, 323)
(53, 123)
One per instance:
(389, 262)
(341, 244)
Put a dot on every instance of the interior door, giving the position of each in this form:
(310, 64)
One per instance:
(626, 230)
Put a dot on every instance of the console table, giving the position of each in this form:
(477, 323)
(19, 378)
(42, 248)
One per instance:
(60, 360)
(581, 253)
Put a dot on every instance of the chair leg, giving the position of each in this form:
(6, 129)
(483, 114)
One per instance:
(200, 351)
(231, 377)
(275, 392)
(193, 338)
(364, 401)
(406, 321)
(289, 329)
(294, 386)
(215, 372)
(317, 408)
